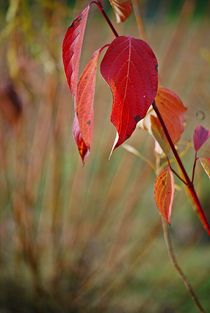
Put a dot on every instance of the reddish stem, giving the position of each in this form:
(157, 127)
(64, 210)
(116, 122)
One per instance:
(100, 7)
(194, 166)
(189, 183)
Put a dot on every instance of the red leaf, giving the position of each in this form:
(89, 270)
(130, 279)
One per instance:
(172, 111)
(85, 97)
(82, 147)
(205, 162)
(122, 9)
(72, 45)
(130, 68)
(164, 193)
(200, 136)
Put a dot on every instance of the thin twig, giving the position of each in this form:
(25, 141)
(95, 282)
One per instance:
(175, 173)
(101, 9)
(194, 166)
(178, 269)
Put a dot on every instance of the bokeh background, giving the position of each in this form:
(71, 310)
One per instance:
(89, 239)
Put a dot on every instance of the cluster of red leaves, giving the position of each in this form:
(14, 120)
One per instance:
(129, 66)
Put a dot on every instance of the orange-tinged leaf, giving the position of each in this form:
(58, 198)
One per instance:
(205, 162)
(159, 135)
(122, 9)
(172, 110)
(164, 193)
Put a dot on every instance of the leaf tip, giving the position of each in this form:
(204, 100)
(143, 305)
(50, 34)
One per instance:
(200, 136)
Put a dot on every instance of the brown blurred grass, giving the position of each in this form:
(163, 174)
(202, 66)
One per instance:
(88, 239)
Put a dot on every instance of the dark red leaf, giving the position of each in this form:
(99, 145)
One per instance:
(130, 68)
(72, 45)
(164, 193)
(200, 136)
(85, 97)
(122, 9)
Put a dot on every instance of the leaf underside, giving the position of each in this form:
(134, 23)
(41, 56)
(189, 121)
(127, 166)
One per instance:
(164, 193)
(130, 68)
(122, 9)
(205, 162)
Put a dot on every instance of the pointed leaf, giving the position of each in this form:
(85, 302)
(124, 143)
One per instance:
(164, 193)
(122, 9)
(72, 45)
(172, 111)
(130, 68)
(81, 145)
(205, 162)
(200, 136)
(85, 97)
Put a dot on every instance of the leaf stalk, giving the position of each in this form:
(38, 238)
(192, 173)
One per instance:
(178, 269)
(101, 9)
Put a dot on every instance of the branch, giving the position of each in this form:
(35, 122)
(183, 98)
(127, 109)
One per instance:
(178, 269)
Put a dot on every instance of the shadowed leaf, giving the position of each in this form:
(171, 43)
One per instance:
(158, 133)
(130, 68)
(164, 193)
(122, 9)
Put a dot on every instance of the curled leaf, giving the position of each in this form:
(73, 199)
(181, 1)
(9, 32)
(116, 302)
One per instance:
(71, 49)
(130, 68)
(205, 162)
(71, 52)
(122, 9)
(200, 136)
(164, 193)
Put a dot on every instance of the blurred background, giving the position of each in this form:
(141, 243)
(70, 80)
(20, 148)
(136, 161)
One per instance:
(89, 239)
